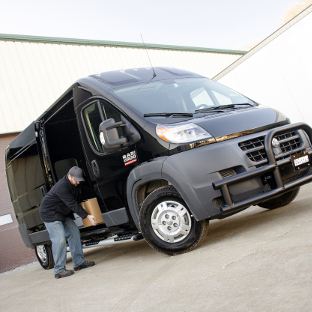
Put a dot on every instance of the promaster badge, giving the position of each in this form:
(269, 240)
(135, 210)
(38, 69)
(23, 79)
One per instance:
(129, 158)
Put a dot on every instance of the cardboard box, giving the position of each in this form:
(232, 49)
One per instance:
(92, 207)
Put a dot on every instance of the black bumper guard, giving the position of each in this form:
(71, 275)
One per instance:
(272, 166)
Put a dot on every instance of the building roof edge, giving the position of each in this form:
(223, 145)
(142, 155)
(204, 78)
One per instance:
(120, 44)
(264, 42)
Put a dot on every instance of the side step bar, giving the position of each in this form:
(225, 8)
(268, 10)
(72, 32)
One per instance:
(114, 240)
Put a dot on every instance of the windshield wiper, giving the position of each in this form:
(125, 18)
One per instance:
(220, 107)
(169, 115)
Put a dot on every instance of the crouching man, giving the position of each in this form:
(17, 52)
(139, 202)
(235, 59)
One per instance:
(57, 212)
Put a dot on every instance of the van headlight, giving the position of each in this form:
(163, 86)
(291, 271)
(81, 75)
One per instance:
(182, 133)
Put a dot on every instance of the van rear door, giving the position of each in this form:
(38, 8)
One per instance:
(26, 179)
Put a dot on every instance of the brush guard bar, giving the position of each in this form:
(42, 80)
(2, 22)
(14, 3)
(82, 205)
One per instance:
(273, 166)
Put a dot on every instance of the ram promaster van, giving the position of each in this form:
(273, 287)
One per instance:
(165, 149)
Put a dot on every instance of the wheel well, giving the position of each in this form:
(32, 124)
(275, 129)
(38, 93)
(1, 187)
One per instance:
(145, 189)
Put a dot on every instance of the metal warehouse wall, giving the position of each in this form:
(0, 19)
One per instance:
(278, 72)
(35, 71)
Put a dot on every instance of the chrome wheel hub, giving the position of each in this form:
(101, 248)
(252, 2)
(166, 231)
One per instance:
(171, 221)
(42, 253)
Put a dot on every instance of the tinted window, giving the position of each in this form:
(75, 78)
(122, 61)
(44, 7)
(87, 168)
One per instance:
(92, 119)
(200, 97)
(110, 112)
(179, 95)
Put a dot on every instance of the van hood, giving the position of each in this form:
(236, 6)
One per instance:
(231, 122)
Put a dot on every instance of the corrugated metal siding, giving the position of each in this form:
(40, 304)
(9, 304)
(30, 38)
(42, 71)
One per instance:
(34, 74)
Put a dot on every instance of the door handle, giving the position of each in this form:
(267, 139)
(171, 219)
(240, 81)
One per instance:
(95, 168)
(43, 191)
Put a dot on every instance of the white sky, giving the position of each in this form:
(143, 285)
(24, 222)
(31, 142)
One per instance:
(223, 24)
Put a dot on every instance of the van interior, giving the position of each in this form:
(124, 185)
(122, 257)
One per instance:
(63, 142)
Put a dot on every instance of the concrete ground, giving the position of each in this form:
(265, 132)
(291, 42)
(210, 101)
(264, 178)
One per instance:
(257, 260)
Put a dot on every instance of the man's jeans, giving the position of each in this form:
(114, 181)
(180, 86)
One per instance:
(58, 232)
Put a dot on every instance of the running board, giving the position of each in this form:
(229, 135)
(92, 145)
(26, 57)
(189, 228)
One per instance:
(114, 240)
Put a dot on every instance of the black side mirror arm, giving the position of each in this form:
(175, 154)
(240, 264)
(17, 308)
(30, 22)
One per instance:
(130, 132)
(109, 136)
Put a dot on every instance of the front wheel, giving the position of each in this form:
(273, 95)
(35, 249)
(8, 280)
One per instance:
(45, 256)
(280, 201)
(167, 224)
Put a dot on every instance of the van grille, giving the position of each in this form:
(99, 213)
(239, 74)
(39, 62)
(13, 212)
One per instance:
(227, 173)
(254, 148)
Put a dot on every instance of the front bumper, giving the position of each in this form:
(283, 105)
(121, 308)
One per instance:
(272, 168)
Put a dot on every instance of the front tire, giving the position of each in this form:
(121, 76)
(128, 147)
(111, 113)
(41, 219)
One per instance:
(45, 256)
(280, 201)
(167, 224)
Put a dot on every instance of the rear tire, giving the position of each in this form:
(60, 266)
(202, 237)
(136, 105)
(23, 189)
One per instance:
(167, 224)
(45, 256)
(280, 201)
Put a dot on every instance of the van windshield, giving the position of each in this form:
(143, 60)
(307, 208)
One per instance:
(188, 95)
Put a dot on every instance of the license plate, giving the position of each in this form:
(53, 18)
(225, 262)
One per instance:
(300, 160)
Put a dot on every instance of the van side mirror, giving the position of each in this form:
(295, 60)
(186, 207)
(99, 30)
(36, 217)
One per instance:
(110, 138)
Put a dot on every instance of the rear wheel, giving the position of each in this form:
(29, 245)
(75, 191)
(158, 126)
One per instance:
(45, 256)
(167, 224)
(280, 201)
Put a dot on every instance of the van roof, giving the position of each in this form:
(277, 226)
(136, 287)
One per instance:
(119, 78)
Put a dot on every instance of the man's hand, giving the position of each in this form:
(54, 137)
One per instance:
(92, 219)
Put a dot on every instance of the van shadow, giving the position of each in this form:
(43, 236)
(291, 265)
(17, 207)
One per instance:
(252, 218)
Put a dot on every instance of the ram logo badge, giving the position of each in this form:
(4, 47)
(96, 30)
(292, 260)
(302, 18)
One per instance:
(129, 158)
(275, 142)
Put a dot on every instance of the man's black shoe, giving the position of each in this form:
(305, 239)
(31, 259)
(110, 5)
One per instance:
(84, 265)
(64, 273)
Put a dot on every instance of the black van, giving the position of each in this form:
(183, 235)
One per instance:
(165, 149)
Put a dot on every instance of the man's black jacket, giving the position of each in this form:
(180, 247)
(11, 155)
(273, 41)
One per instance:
(63, 200)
